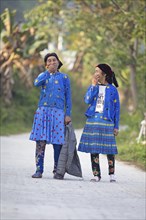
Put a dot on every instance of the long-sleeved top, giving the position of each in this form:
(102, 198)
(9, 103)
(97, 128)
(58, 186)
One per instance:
(55, 91)
(111, 108)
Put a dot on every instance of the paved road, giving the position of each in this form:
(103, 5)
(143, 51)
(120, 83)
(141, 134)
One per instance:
(25, 198)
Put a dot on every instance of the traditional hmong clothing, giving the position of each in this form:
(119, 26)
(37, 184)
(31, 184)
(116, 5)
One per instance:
(55, 96)
(98, 136)
(102, 118)
(48, 125)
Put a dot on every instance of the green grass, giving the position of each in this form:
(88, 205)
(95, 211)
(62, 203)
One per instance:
(15, 128)
(130, 151)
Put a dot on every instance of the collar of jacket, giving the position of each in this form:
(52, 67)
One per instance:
(54, 74)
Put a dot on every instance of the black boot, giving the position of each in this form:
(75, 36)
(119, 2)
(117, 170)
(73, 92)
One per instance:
(37, 174)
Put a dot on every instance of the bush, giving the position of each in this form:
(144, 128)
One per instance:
(128, 148)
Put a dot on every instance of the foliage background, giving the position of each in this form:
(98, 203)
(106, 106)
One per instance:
(83, 33)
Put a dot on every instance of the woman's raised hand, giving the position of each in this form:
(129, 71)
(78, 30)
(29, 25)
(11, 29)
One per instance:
(95, 79)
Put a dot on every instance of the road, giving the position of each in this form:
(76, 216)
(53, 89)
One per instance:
(25, 198)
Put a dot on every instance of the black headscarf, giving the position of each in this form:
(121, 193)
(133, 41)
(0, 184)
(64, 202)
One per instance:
(54, 55)
(110, 75)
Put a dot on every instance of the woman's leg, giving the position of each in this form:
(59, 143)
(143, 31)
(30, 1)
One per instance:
(95, 165)
(57, 149)
(111, 163)
(39, 155)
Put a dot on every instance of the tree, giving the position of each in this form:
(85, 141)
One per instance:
(115, 30)
(99, 31)
(17, 47)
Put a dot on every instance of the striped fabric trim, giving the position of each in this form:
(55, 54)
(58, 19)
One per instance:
(97, 134)
(97, 123)
(96, 144)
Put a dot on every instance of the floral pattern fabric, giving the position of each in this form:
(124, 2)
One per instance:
(96, 166)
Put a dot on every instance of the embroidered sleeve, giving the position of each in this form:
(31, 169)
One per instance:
(68, 100)
(90, 94)
(117, 109)
(41, 79)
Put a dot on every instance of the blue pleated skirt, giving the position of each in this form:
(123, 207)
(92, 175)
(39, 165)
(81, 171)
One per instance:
(48, 125)
(97, 136)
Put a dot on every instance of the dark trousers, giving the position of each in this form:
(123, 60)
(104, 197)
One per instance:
(96, 165)
(40, 153)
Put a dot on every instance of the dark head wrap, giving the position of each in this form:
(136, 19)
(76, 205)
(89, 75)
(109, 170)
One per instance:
(110, 75)
(54, 55)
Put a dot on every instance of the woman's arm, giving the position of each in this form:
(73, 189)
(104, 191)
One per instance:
(41, 79)
(117, 109)
(91, 93)
(68, 99)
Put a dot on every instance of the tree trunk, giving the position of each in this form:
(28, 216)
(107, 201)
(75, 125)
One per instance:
(133, 84)
(78, 64)
(132, 66)
(7, 84)
(78, 67)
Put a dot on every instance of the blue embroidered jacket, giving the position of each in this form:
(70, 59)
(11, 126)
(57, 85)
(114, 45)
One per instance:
(111, 109)
(55, 91)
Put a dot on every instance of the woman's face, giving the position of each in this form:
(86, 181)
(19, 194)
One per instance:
(99, 75)
(52, 64)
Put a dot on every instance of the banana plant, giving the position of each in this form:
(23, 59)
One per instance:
(19, 53)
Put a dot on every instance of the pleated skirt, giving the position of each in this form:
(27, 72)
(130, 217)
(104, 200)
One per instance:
(98, 136)
(48, 125)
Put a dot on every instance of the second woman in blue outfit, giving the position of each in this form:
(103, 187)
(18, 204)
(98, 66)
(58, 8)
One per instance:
(102, 120)
(54, 111)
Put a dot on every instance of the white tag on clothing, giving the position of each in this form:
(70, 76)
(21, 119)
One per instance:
(100, 99)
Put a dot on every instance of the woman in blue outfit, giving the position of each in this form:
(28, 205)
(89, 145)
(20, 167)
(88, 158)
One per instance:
(54, 111)
(102, 123)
